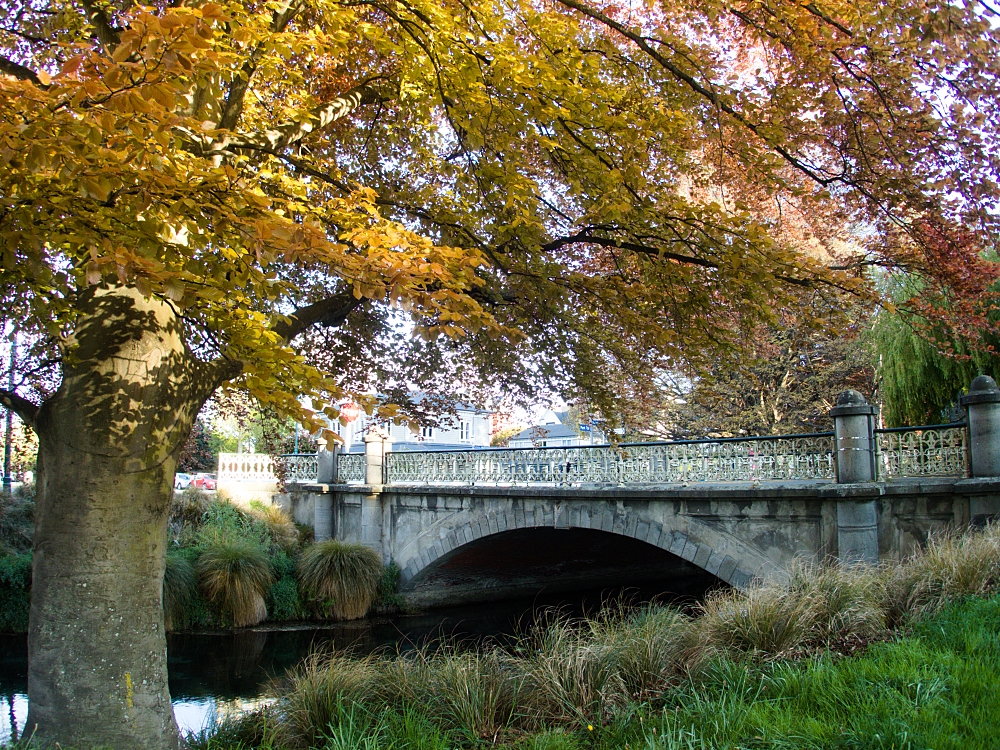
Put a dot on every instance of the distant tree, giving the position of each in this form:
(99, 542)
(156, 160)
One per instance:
(197, 454)
(923, 367)
(791, 381)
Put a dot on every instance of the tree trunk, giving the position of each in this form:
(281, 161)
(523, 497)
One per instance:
(108, 442)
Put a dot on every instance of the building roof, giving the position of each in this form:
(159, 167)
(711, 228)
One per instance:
(547, 432)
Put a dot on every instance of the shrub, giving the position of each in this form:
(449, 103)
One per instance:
(179, 589)
(283, 600)
(15, 592)
(17, 520)
(766, 620)
(340, 579)
(948, 568)
(388, 588)
(235, 575)
(280, 526)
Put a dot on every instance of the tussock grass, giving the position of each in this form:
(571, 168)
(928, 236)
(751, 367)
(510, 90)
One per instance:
(571, 677)
(948, 568)
(235, 575)
(653, 645)
(763, 620)
(180, 582)
(320, 692)
(282, 528)
(340, 580)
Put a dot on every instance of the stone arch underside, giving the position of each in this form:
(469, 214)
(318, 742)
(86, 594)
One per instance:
(717, 551)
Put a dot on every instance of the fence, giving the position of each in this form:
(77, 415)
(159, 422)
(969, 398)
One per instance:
(929, 451)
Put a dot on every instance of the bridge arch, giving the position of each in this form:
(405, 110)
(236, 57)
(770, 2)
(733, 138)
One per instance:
(712, 549)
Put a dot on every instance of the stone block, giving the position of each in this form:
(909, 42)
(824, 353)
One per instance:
(641, 531)
(702, 555)
(714, 563)
(727, 568)
(677, 542)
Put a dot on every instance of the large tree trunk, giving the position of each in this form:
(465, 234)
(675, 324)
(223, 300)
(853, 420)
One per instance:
(108, 441)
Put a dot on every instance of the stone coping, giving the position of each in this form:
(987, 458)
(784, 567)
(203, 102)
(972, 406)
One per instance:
(815, 489)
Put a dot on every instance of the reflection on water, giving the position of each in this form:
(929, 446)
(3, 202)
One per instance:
(214, 674)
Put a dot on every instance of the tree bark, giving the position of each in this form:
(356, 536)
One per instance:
(108, 444)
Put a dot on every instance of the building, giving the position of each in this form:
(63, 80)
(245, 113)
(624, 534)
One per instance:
(553, 432)
(469, 428)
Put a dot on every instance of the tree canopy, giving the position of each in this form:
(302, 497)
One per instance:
(569, 188)
(548, 192)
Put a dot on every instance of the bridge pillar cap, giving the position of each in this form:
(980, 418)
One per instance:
(983, 390)
(851, 403)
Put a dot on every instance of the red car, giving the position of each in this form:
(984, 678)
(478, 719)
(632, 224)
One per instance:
(204, 482)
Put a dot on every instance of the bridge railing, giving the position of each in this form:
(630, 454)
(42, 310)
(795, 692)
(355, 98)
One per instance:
(928, 451)
(939, 450)
(351, 468)
(263, 467)
(723, 460)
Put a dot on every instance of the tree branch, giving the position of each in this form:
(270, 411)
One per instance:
(233, 107)
(704, 90)
(25, 409)
(583, 237)
(107, 34)
(331, 311)
(21, 72)
(322, 116)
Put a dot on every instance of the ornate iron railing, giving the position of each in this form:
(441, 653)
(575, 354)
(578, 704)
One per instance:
(726, 460)
(300, 467)
(351, 468)
(931, 451)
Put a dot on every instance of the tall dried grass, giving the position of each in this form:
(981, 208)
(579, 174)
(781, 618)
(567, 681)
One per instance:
(235, 575)
(282, 528)
(340, 579)
(947, 568)
(570, 673)
(180, 583)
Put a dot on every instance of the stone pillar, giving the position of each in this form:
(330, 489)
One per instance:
(325, 462)
(857, 520)
(323, 516)
(983, 406)
(377, 444)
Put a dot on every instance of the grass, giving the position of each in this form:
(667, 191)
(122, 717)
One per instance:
(340, 580)
(235, 575)
(936, 687)
(903, 656)
(180, 587)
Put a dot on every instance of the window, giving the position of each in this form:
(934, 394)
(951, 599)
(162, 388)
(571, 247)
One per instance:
(427, 432)
(465, 431)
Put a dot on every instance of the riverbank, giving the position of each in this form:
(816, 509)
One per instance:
(896, 657)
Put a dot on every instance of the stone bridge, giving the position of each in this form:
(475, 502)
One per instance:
(738, 509)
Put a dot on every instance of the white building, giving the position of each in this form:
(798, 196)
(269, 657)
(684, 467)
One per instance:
(552, 432)
(469, 428)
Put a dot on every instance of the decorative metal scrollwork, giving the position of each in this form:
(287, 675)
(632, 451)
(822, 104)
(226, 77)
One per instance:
(922, 452)
(795, 457)
(351, 468)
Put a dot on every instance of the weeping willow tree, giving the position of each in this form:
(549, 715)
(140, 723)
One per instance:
(921, 370)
